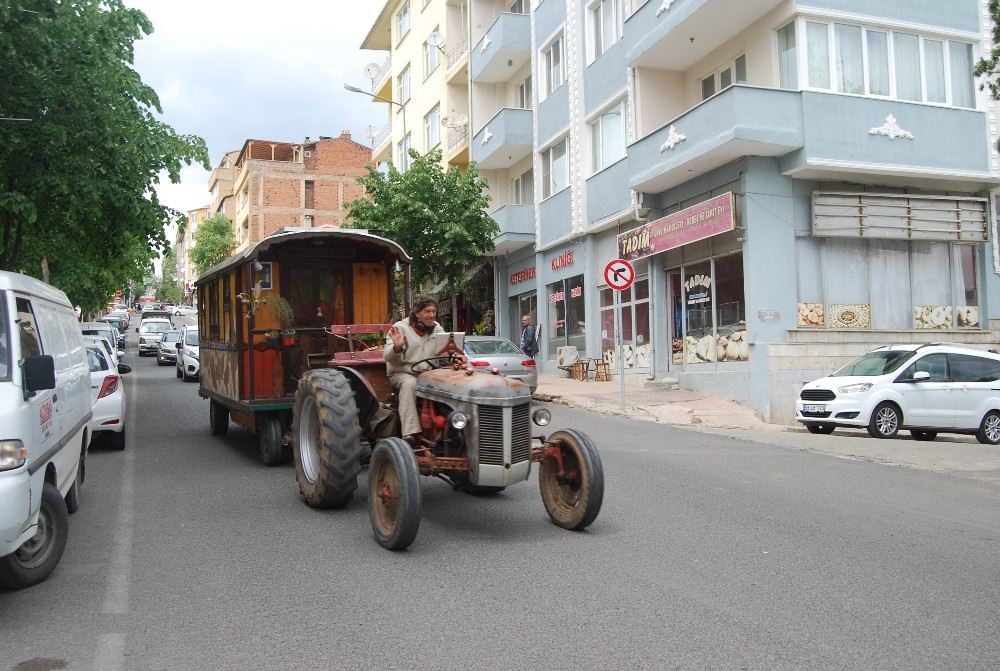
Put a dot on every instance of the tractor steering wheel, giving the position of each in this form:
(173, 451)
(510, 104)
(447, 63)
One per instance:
(435, 362)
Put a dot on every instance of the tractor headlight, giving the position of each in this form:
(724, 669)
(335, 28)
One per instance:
(541, 417)
(458, 419)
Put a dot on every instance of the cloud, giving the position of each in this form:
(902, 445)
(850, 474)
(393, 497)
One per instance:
(228, 71)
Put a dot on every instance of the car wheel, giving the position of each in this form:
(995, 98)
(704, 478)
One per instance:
(885, 420)
(35, 560)
(820, 428)
(394, 494)
(989, 429)
(923, 435)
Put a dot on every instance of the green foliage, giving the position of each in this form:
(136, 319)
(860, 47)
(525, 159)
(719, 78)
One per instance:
(77, 181)
(213, 243)
(167, 289)
(439, 217)
(990, 65)
(283, 312)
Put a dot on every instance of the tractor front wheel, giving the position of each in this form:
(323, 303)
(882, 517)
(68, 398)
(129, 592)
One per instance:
(573, 497)
(394, 494)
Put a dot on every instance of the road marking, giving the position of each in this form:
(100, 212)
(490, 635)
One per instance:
(110, 652)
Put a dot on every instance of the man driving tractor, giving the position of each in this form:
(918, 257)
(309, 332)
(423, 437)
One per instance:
(411, 340)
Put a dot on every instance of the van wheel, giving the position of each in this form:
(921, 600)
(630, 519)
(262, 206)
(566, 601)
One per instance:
(34, 561)
(73, 495)
(820, 428)
(989, 429)
(923, 435)
(885, 421)
(218, 418)
(269, 435)
(326, 439)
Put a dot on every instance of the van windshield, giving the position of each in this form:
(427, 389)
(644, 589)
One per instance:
(192, 338)
(882, 362)
(4, 339)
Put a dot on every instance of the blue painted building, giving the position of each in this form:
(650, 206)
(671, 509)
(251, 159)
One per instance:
(852, 136)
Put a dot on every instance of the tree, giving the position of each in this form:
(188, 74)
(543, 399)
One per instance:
(213, 243)
(167, 289)
(439, 217)
(990, 65)
(77, 180)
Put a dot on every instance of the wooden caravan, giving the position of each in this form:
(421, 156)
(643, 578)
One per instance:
(294, 301)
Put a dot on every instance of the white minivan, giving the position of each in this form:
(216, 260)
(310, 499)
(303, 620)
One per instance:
(45, 408)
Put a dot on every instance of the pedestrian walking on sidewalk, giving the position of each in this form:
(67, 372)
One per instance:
(529, 337)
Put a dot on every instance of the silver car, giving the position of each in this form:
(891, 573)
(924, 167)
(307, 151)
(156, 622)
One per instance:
(486, 352)
(166, 349)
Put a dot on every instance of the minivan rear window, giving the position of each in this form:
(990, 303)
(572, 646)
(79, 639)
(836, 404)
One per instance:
(881, 362)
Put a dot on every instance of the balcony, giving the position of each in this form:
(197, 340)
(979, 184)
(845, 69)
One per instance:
(457, 58)
(382, 85)
(676, 34)
(382, 145)
(740, 121)
(504, 141)
(457, 140)
(608, 193)
(517, 228)
(504, 49)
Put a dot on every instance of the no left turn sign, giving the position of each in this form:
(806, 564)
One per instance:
(619, 274)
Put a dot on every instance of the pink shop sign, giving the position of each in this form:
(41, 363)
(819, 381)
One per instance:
(708, 218)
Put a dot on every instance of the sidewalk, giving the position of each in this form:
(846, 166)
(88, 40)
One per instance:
(666, 406)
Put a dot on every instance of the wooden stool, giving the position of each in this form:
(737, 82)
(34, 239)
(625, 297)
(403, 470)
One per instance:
(602, 371)
(580, 370)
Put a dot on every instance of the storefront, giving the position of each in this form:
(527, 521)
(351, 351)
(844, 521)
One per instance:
(565, 297)
(522, 298)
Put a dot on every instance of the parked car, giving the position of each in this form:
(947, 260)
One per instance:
(928, 389)
(103, 330)
(184, 310)
(188, 354)
(150, 333)
(122, 314)
(107, 392)
(166, 350)
(43, 447)
(488, 352)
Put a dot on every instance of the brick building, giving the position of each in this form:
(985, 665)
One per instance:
(280, 184)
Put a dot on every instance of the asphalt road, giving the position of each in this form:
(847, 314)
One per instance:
(711, 552)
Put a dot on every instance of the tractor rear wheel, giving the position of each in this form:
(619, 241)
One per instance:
(574, 498)
(326, 439)
(394, 494)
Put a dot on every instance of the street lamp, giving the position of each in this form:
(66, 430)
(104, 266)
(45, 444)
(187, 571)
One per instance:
(401, 106)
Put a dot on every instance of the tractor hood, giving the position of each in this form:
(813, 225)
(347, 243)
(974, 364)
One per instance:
(458, 385)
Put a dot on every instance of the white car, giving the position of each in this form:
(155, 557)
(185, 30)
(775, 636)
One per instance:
(928, 389)
(150, 332)
(184, 310)
(107, 392)
(188, 354)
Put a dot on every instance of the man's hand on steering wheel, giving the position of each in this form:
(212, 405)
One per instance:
(441, 361)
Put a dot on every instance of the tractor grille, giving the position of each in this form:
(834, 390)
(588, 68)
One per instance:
(817, 395)
(490, 435)
(520, 449)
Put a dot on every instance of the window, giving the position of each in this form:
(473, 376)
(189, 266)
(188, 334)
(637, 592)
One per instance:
(402, 21)
(708, 317)
(310, 195)
(608, 134)
(523, 188)
(95, 360)
(404, 84)
(5, 367)
(636, 349)
(432, 56)
(606, 25)
(972, 368)
(524, 94)
(27, 330)
(735, 72)
(403, 151)
(861, 61)
(432, 128)
(518, 7)
(788, 67)
(566, 314)
(555, 66)
(555, 169)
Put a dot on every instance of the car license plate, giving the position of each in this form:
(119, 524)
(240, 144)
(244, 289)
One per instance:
(813, 407)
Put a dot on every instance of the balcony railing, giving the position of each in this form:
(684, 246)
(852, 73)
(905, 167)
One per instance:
(456, 136)
(457, 51)
(382, 136)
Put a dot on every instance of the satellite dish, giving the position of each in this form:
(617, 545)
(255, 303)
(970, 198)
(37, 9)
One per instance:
(373, 71)
(371, 132)
(435, 39)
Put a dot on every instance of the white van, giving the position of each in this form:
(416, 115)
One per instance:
(44, 411)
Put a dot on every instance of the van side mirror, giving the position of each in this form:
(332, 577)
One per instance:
(124, 369)
(921, 376)
(39, 373)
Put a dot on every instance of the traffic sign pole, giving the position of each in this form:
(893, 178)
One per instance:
(619, 276)
(620, 345)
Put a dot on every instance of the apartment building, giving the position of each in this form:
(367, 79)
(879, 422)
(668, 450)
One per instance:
(183, 244)
(423, 80)
(220, 186)
(795, 181)
(278, 184)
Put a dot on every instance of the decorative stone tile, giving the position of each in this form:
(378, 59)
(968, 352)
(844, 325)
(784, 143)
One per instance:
(933, 317)
(850, 315)
(811, 314)
(968, 317)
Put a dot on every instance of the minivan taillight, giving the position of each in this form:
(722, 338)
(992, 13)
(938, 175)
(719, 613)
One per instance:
(109, 386)
(528, 363)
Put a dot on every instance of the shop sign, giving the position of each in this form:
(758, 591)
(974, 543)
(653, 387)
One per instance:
(699, 289)
(708, 218)
(563, 260)
(523, 275)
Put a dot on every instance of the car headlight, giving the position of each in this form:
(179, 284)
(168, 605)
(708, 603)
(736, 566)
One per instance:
(855, 388)
(541, 417)
(13, 454)
(458, 419)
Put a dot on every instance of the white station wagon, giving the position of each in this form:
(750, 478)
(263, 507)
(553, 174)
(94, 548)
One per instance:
(928, 389)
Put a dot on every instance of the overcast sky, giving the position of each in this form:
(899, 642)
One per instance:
(229, 70)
